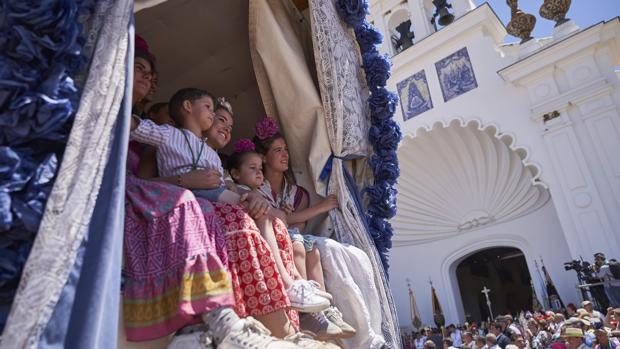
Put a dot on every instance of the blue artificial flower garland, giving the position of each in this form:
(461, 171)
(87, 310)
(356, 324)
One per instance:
(384, 133)
(40, 51)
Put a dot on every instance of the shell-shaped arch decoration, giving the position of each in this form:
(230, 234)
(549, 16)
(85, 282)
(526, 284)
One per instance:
(460, 177)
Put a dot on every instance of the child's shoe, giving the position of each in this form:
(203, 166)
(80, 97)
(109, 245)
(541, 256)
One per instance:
(318, 291)
(304, 298)
(304, 340)
(318, 324)
(335, 316)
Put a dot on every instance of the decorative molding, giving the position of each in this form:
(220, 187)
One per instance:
(460, 177)
(556, 51)
(563, 101)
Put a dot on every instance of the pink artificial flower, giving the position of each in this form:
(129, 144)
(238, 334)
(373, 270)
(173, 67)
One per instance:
(141, 44)
(266, 128)
(244, 145)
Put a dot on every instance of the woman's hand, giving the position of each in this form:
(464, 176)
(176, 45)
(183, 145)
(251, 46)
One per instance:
(328, 203)
(288, 209)
(281, 215)
(257, 206)
(201, 179)
(231, 186)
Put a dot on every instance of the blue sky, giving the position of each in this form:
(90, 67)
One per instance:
(583, 12)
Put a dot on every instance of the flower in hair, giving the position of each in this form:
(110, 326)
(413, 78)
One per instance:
(244, 145)
(266, 128)
(222, 102)
(141, 44)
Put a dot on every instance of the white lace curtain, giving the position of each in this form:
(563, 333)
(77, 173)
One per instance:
(334, 123)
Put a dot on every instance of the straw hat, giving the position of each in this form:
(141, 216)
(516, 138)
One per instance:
(572, 332)
(574, 320)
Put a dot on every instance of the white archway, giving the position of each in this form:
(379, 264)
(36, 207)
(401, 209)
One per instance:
(454, 305)
(399, 15)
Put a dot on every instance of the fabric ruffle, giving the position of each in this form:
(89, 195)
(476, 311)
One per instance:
(156, 307)
(41, 45)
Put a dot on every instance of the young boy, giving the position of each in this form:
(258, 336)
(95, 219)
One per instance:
(181, 150)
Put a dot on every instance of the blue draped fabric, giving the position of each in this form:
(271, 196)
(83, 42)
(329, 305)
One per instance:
(87, 313)
(40, 53)
(384, 133)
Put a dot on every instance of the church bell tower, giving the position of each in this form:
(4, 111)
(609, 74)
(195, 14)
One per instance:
(403, 23)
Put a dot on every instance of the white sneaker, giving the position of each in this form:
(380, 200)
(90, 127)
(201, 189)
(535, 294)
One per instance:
(193, 340)
(318, 291)
(253, 335)
(335, 316)
(318, 324)
(304, 298)
(303, 340)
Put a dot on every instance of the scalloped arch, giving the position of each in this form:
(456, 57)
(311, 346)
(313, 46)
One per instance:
(462, 176)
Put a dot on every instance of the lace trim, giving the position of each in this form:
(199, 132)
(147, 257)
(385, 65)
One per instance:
(343, 90)
(345, 102)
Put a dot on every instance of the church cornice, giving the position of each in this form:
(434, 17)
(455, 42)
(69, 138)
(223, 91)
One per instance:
(527, 68)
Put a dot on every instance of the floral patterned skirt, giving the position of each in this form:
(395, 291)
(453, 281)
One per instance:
(257, 285)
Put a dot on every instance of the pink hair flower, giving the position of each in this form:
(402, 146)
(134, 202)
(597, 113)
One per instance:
(141, 44)
(266, 128)
(244, 145)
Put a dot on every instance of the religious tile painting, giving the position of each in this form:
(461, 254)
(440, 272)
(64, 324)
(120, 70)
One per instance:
(456, 74)
(415, 97)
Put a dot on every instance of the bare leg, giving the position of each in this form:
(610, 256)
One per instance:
(266, 229)
(314, 267)
(299, 254)
(278, 323)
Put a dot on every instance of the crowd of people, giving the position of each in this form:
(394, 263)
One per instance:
(577, 328)
(215, 251)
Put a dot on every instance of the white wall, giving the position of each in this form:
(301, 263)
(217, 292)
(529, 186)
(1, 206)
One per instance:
(507, 83)
(493, 102)
(538, 235)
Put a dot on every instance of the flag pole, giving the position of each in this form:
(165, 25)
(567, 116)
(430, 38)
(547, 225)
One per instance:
(414, 312)
(438, 316)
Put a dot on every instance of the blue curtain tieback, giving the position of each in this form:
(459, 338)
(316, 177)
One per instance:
(327, 169)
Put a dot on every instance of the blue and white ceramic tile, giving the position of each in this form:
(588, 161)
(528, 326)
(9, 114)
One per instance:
(456, 74)
(415, 97)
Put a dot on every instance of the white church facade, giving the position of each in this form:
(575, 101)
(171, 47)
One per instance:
(511, 148)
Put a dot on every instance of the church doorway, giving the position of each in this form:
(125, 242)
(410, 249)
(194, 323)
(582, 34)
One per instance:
(504, 271)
